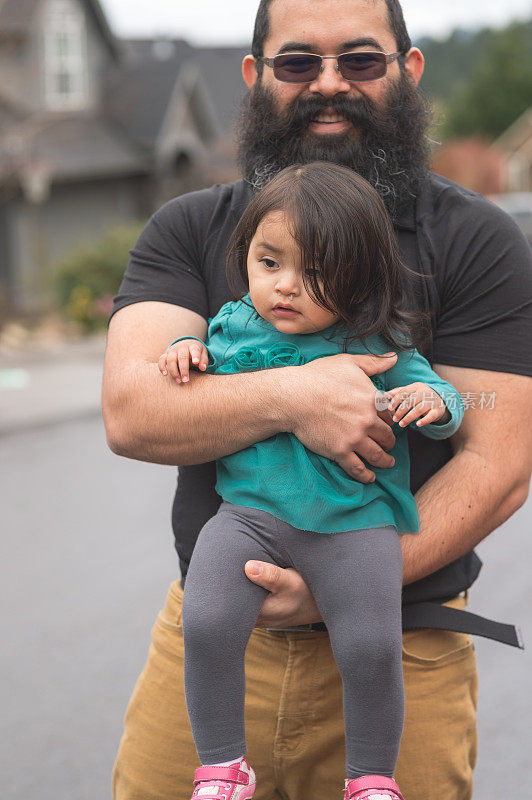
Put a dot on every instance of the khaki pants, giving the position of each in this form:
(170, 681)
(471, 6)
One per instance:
(294, 721)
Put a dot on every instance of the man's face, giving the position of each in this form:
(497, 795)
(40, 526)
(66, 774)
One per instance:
(329, 27)
(376, 128)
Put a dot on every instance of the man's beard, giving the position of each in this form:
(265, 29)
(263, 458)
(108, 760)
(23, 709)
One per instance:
(388, 144)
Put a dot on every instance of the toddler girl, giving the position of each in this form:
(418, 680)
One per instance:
(318, 254)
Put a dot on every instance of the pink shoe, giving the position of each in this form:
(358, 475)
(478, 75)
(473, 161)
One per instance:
(235, 782)
(372, 787)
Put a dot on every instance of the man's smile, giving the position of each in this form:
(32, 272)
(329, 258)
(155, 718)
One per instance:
(329, 121)
(329, 115)
(329, 126)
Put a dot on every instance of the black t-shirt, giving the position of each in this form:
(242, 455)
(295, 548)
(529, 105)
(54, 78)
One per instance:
(476, 280)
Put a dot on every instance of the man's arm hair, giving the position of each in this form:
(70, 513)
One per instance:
(151, 418)
(485, 482)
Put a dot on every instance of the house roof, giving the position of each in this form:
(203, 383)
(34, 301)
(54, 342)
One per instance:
(140, 89)
(72, 147)
(161, 49)
(221, 69)
(88, 146)
(138, 93)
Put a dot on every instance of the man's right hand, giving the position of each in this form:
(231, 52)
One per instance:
(332, 412)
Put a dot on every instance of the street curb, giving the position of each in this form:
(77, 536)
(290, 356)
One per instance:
(43, 390)
(7, 431)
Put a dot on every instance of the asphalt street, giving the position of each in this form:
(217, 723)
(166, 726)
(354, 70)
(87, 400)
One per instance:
(86, 559)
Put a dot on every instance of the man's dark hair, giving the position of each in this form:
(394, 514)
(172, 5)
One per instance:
(262, 28)
(350, 260)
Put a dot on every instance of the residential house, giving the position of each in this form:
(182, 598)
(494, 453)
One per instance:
(472, 162)
(516, 146)
(97, 131)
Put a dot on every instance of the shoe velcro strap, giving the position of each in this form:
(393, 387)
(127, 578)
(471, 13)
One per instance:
(221, 774)
(375, 783)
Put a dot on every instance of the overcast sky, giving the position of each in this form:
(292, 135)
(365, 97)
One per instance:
(231, 21)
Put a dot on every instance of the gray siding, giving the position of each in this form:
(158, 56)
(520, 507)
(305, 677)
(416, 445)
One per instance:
(99, 61)
(21, 64)
(20, 69)
(6, 246)
(74, 215)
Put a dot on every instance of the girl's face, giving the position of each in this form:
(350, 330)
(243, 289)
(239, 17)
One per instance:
(275, 279)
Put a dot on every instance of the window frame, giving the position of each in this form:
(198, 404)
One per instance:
(63, 20)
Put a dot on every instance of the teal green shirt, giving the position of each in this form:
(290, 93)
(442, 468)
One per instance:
(280, 475)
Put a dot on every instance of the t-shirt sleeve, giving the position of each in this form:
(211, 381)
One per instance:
(485, 317)
(166, 262)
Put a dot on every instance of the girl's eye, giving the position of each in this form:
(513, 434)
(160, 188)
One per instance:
(269, 263)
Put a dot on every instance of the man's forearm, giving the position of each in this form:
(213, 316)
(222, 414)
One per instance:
(155, 419)
(458, 507)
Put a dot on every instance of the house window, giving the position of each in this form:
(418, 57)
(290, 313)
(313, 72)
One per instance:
(65, 55)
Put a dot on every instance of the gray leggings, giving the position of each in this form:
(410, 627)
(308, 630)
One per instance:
(356, 580)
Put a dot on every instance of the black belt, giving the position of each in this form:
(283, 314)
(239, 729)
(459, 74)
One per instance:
(434, 615)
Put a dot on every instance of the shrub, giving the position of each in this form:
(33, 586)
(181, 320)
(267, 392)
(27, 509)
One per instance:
(86, 280)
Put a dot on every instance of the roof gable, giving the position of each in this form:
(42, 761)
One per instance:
(137, 97)
(221, 69)
(518, 134)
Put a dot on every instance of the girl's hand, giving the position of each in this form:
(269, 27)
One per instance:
(417, 401)
(177, 359)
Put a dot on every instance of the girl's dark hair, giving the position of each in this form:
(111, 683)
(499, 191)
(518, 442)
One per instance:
(347, 243)
(262, 29)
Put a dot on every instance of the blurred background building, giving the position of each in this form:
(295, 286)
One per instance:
(97, 131)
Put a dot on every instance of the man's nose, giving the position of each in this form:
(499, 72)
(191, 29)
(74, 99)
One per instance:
(330, 80)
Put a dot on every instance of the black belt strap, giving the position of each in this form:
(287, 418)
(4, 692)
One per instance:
(433, 615)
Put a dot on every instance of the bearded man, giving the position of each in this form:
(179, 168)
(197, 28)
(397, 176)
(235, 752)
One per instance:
(476, 280)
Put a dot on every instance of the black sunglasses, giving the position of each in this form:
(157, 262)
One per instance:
(305, 67)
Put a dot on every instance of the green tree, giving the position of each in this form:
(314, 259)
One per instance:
(499, 88)
(450, 62)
